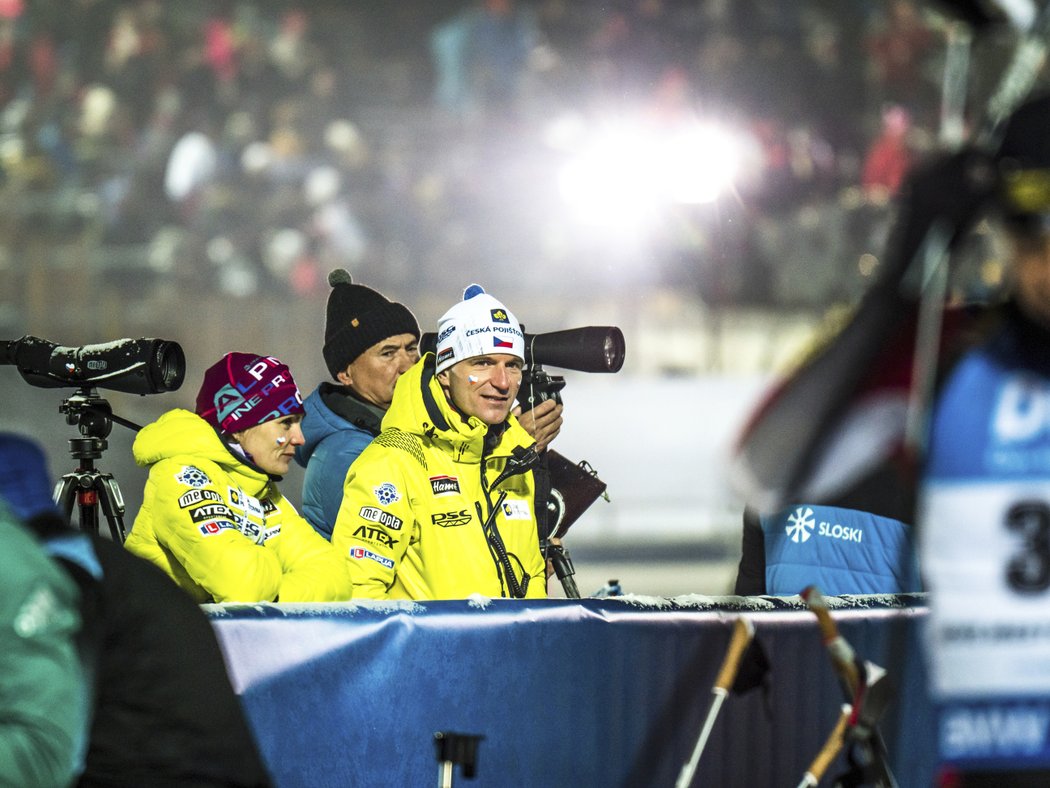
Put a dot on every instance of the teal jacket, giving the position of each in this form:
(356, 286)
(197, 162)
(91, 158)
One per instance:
(44, 697)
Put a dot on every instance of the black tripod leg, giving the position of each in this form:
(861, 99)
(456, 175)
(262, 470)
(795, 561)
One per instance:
(112, 501)
(65, 495)
(563, 568)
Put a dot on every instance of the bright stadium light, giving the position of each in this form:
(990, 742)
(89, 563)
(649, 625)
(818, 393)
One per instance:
(611, 182)
(698, 164)
(623, 176)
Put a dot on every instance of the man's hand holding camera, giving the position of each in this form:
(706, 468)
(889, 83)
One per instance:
(542, 422)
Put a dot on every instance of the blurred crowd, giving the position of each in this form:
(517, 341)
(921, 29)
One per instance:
(252, 145)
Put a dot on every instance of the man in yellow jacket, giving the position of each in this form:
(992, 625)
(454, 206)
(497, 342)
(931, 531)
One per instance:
(442, 504)
(212, 516)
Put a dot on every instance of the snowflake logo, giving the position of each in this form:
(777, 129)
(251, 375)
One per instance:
(386, 494)
(800, 525)
(192, 477)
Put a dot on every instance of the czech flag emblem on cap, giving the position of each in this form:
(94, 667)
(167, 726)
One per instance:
(501, 342)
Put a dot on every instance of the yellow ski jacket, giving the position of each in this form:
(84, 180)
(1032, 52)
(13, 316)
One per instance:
(220, 527)
(415, 503)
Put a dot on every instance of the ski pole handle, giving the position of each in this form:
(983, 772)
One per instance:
(828, 752)
(743, 631)
(842, 654)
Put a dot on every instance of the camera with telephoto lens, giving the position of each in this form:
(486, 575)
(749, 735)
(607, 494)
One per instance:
(586, 349)
(537, 386)
(574, 486)
(133, 366)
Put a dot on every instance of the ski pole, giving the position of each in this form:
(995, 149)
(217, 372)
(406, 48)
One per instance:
(743, 631)
(868, 751)
(842, 655)
(832, 746)
(453, 748)
(865, 683)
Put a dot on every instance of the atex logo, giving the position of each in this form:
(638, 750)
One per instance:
(800, 524)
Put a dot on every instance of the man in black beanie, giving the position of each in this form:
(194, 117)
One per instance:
(369, 342)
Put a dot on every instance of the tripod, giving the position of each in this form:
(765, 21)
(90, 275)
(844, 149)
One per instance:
(563, 568)
(87, 486)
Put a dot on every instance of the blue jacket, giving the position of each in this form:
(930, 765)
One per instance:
(842, 551)
(337, 427)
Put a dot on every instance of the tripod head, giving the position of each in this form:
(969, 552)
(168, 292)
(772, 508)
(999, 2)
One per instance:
(90, 488)
(93, 416)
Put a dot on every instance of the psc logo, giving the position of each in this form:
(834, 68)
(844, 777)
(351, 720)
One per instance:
(450, 519)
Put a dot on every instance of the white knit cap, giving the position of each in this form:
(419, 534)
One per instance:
(479, 325)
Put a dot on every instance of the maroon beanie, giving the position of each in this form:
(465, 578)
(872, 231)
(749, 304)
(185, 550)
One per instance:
(242, 390)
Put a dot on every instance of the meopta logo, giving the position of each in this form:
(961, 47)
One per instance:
(374, 515)
(800, 524)
(444, 485)
(196, 496)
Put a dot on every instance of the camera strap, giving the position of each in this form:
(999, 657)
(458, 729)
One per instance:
(517, 589)
(521, 461)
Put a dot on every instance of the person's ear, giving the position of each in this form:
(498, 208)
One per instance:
(442, 378)
(345, 376)
(238, 436)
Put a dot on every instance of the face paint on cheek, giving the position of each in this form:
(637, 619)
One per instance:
(281, 441)
(472, 380)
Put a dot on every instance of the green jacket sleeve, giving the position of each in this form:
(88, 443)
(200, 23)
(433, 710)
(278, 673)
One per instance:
(44, 700)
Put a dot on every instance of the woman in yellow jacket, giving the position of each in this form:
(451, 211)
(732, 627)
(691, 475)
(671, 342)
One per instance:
(440, 505)
(212, 516)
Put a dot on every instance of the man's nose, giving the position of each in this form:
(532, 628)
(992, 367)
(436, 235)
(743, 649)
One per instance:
(405, 361)
(295, 435)
(500, 377)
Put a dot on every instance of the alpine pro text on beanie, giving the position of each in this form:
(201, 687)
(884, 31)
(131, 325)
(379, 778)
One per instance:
(479, 325)
(243, 390)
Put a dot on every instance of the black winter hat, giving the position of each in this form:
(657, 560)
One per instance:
(1024, 158)
(357, 317)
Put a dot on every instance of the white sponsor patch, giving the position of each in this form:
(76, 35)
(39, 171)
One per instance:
(192, 477)
(360, 552)
(216, 526)
(386, 493)
(517, 510)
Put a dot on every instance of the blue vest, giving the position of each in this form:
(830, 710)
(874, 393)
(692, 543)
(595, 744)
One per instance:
(842, 551)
